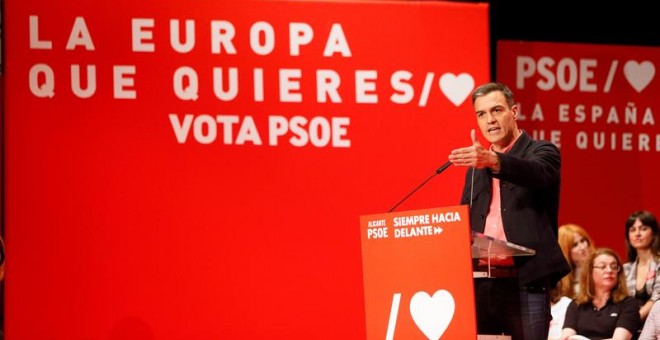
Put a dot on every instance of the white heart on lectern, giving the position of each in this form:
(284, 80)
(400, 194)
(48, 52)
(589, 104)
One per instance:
(639, 75)
(432, 315)
(456, 88)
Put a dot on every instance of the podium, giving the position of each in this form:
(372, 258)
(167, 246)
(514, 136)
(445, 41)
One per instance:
(418, 274)
(486, 247)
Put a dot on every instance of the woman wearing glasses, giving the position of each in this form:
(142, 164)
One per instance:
(643, 267)
(602, 309)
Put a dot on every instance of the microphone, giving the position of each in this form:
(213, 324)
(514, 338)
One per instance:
(437, 172)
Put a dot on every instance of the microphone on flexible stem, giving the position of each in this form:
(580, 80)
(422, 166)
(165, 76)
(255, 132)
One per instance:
(438, 171)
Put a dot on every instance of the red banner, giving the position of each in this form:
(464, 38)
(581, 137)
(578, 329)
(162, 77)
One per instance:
(597, 103)
(195, 170)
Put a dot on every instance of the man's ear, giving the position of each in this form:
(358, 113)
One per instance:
(514, 110)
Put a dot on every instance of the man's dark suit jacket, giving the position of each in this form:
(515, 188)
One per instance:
(530, 176)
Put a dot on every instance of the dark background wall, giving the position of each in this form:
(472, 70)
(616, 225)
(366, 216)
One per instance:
(621, 23)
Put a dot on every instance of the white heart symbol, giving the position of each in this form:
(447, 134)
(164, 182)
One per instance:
(456, 88)
(432, 315)
(639, 75)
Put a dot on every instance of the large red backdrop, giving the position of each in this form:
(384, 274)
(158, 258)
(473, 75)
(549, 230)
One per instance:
(599, 104)
(196, 170)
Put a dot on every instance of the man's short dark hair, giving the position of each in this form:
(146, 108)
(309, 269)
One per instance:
(492, 87)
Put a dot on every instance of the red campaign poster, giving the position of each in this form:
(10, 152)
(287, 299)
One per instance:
(196, 170)
(418, 274)
(598, 103)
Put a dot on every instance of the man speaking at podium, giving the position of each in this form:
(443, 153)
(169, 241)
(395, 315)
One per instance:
(512, 189)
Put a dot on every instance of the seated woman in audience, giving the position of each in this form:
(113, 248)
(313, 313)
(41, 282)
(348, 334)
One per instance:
(576, 245)
(602, 309)
(651, 330)
(643, 267)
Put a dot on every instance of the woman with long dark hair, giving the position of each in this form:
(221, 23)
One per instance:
(643, 267)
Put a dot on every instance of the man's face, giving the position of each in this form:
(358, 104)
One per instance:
(496, 120)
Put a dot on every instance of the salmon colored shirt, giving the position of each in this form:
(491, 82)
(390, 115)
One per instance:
(494, 226)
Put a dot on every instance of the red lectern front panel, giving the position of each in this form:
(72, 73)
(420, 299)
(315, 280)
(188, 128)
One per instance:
(418, 274)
